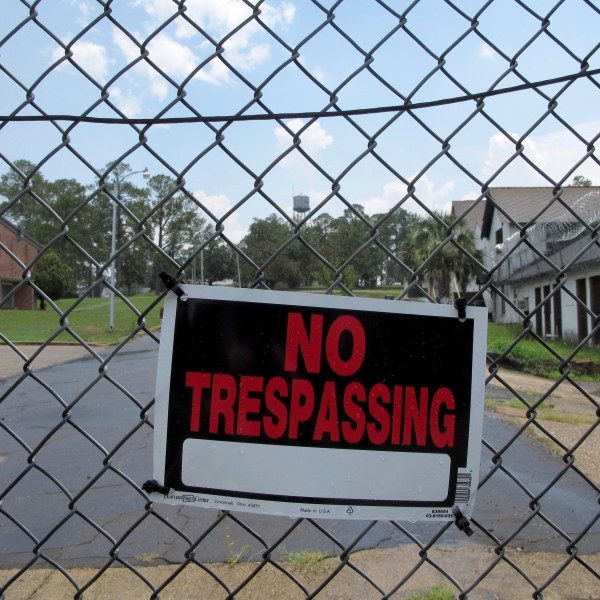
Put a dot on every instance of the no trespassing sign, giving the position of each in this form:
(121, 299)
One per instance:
(322, 406)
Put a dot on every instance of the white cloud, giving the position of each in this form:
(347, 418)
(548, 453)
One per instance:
(486, 52)
(317, 72)
(247, 57)
(555, 153)
(219, 204)
(393, 192)
(89, 56)
(172, 57)
(158, 86)
(179, 50)
(129, 50)
(500, 148)
(438, 198)
(242, 50)
(175, 59)
(282, 15)
(222, 16)
(434, 197)
(161, 9)
(313, 139)
(84, 9)
(129, 103)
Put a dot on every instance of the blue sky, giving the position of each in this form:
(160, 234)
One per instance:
(405, 146)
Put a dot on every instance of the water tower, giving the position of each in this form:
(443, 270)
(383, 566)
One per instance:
(301, 206)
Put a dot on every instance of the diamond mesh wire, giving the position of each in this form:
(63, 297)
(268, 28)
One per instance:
(75, 444)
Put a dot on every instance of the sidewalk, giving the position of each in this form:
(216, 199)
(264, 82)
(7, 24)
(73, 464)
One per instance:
(386, 567)
(11, 363)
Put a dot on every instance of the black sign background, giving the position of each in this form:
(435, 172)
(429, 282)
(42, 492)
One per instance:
(245, 338)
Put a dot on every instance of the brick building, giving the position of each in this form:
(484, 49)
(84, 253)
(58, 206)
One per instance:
(25, 249)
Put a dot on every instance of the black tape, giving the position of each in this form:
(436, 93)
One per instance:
(172, 284)
(153, 486)
(461, 306)
(461, 521)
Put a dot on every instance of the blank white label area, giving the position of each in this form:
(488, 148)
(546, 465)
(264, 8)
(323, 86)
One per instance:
(302, 472)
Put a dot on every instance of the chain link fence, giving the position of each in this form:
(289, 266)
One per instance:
(247, 96)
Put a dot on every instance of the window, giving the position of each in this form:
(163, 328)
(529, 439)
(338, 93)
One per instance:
(5, 291)
(538, 319)
(582, 315)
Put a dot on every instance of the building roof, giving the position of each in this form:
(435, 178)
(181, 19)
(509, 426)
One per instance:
(474, 217)
(522, 205)
(19, 233)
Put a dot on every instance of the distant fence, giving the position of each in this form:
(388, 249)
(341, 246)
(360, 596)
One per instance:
(259, 64)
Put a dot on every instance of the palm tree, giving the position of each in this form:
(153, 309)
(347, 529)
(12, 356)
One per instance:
(447, 250)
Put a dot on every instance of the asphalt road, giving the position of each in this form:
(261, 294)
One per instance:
(75, 448)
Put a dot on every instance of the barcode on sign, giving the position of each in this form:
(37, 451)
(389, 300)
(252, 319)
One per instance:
(463, 487)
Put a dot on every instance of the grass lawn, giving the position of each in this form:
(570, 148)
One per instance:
(383, 293)
(90, 320)
(530, 356)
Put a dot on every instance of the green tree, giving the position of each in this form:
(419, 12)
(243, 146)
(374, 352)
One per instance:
(218, 261)
(25, 191)
(322, 227)
(135, 263)
(53, 277)
(337, 239)
(95, 237)
(581, 181)
(48, 210)
(175, 223)
(437, 243)
(266, 239)
(67, 197)
(393, 229)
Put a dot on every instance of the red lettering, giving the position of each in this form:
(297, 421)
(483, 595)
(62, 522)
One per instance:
(353, 433)
(299, 339)
(327, 420)
(379, 431)
(397, 414)
(415, 417)
(222, 400)
(248, 404)
(300, 411)
(332, 345)
(198, 382)
(281, 408)
(277, 388)
(444, 437)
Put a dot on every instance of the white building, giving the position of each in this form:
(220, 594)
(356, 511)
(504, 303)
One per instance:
(554, 276)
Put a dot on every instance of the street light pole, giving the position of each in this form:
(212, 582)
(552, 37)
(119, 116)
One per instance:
(113, 269)
(113, 242)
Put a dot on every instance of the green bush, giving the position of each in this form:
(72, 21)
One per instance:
(53, 277)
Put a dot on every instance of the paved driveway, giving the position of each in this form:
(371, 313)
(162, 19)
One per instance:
(91, 449)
